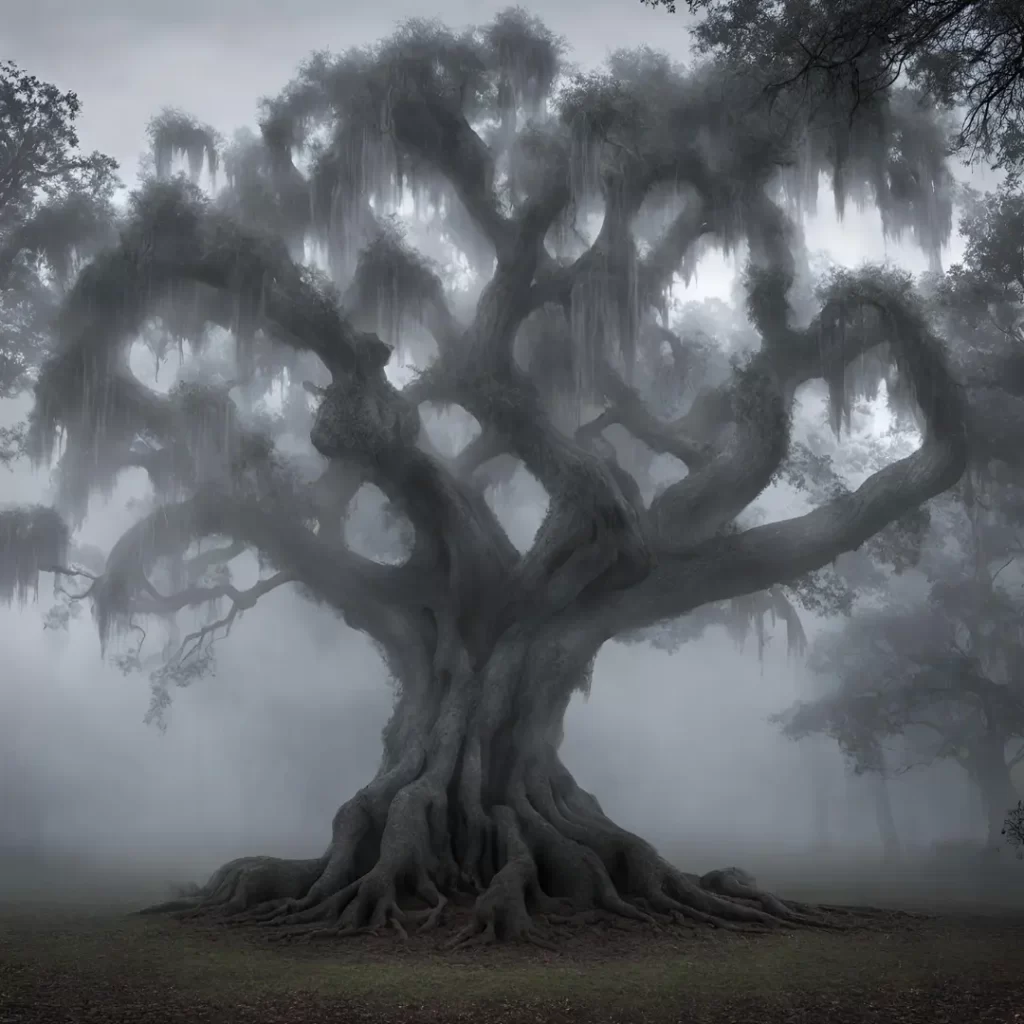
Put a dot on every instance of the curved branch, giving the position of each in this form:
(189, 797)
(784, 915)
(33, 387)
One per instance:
(485, 446)
(862, 313)
(359, 588)
(594, 528)
(624, 195)
(723, 567)
(699, 505)
(238, 281)
(666, 257)
(727, 567)
(445, 139)
(362, 419)
(241, 600)
(199, 564)
(368, 423)
(629, 410)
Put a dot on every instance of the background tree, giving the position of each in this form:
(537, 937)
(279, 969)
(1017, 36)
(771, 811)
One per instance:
(981, 299)
(965, 54)
(940, 670)
(500, 235)
(55, 213)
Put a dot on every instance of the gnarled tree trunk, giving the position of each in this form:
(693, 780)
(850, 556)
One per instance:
(472, 798)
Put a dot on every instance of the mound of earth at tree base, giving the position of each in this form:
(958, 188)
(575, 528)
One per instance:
(588, 937)
(290, 901)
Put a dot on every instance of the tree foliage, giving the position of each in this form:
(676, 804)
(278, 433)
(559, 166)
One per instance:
(1013, 828)
(39, 143)
(55, 214)
(940, 671)
(964, 54)
(984, 293)
(932, 675)
(174, 133)
(979, 303)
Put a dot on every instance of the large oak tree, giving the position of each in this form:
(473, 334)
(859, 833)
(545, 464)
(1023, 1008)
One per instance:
(563, 207)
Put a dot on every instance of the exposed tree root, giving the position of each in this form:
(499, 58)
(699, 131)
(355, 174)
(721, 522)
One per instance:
(551, 860)
(501, 910)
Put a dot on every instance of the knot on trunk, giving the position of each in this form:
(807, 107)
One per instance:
(364, 417)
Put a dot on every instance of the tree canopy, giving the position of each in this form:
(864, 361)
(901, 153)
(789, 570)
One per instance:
(940, 669)
(965, 54)
(55, 214)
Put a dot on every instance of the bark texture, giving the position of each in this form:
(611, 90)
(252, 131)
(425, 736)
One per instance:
(471, 799)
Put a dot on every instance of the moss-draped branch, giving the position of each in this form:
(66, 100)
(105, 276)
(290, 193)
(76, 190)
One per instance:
(646, 133)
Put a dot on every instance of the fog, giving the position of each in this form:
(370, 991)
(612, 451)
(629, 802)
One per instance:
(257, 759)
(677, 747)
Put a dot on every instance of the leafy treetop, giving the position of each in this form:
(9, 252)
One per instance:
(965, 54)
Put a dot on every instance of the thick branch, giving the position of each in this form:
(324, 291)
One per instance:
(730, 566)
(199, 564)
(373, 426)
(624, 194)
(664, 260)
(630, 411)
(356, 586)
(445, 139)
(485, 446)
(727, 566)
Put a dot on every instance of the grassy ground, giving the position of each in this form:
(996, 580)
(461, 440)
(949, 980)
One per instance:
(69, 951)
(60, 965)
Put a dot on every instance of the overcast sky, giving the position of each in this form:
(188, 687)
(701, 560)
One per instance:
(677, 746)
(128, 58)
